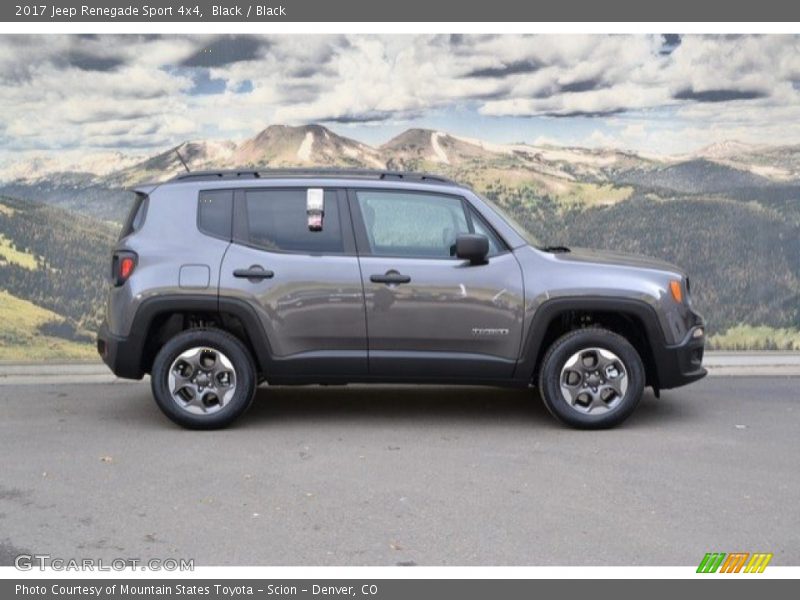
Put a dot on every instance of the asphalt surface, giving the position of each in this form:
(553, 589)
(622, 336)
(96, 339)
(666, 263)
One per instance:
(401, 475)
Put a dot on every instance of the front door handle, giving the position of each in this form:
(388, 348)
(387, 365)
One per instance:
(390, 277)
(254, 273)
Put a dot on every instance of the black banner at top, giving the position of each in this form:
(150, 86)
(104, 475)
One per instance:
(407, 10)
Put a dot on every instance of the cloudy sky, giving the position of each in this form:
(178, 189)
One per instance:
(658, 94)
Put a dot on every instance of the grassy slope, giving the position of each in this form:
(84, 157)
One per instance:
(20, 338)
(11, 255)
(53, 265)
(746, 281)
(749, 337)
(59, 259)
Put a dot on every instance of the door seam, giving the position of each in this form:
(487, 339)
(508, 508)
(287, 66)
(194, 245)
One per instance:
(360, 273)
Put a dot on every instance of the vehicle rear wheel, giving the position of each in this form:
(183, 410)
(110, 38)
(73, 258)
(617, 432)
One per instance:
(591, 378)
(203, 379)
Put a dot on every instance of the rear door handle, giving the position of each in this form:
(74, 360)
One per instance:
(391, 278)
(254, 273)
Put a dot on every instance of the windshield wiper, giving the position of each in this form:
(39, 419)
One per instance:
(556, 249)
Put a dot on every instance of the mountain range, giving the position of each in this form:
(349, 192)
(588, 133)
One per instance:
(728, 213)
(316, 145)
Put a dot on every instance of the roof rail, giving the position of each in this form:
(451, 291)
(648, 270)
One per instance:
(331, 173)
(222, 174)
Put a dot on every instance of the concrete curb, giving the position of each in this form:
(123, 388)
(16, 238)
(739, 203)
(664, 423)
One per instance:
(719, 364)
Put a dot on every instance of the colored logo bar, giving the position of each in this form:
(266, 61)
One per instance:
(735, 562)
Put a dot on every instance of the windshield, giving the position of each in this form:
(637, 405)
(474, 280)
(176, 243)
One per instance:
(523, 231)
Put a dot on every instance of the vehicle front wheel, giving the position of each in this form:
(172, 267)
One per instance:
(203, 378)
(591, 378)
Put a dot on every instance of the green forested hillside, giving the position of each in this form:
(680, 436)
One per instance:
(56, 260)
(694, 177)
(74, 194)
(743, 260)
(743, 257)
(735, 232)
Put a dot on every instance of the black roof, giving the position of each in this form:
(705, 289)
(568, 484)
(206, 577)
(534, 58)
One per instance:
(377, 174)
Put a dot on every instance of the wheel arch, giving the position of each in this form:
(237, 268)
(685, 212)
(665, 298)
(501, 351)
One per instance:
(634, 319)
(160, 317)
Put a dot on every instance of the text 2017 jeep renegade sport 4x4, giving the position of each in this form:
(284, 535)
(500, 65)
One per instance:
(222, 280)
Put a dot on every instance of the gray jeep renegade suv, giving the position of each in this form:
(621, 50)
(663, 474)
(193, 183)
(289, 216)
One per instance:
(223, 280)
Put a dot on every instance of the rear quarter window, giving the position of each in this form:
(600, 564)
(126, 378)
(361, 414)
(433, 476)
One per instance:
(215, 213)
(136, 216)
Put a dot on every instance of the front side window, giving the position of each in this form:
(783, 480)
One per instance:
(412, 224)
(512, 222)
(278, 220)
(479, 226)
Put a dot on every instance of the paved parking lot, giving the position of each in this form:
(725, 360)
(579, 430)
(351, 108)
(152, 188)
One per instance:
(401, 475)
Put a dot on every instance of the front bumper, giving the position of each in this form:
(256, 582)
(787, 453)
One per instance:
(681, 363)
(121, 354)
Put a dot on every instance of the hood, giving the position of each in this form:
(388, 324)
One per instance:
(621, 259)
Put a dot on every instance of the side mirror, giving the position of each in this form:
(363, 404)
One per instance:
(472, 247)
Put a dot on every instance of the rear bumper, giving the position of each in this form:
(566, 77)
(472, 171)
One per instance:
(121, 354)
(682, 363)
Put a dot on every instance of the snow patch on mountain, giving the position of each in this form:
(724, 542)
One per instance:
(490, 146)
(304, 151)
(439, 154)
(726, 149)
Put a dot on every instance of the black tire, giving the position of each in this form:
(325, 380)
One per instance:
(215, 339)
(568, 345)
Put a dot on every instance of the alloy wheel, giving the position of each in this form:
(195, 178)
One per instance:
(202, 380)
(593, 380)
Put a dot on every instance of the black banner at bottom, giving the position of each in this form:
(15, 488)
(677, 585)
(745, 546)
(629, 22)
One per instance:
(389, 589)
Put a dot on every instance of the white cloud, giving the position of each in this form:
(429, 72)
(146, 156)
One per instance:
(70, 91)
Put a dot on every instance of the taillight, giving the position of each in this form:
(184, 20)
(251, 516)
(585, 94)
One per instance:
(126, 267)
(122, 266)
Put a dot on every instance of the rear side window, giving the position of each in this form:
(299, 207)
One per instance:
(215, 213)
(136, 215)
(277, 220)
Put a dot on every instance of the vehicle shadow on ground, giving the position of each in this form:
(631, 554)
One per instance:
(393, 403)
